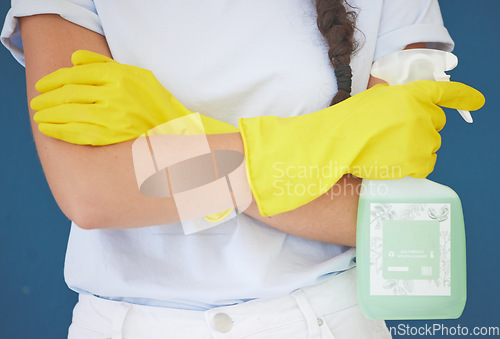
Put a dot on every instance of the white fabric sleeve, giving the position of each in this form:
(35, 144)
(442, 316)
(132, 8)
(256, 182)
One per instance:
(80, 12)
(410, 21)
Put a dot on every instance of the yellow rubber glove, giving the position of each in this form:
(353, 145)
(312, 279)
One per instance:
(99, 101)
(386, 132)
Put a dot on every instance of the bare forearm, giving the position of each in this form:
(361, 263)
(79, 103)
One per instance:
(96, 186)
(92, 185)
(105, 185)
(329, 218)
(105, 194)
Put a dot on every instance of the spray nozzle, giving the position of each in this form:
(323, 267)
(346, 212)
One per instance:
(416, 64)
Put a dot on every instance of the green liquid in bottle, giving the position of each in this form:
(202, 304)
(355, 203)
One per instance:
(410, 258)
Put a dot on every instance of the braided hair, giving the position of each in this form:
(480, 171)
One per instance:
(336, 22)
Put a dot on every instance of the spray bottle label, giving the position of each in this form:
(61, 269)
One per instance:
(410, 249)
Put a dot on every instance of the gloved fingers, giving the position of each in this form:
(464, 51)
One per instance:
(65, 132)
(436, 142)
(82, 57)
(68, 94)
(426, 168)
(414, 152)
(76, 133)
(425, 157)
(427, 141)
(438, 118)
(92, 74)
(70, 113)
(450, 94)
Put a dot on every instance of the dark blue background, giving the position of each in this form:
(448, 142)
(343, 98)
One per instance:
(34, 300)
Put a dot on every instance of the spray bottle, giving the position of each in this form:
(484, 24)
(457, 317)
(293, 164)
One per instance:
(410, 242)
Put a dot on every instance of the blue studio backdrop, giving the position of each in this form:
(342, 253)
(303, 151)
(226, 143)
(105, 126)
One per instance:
(36, 303)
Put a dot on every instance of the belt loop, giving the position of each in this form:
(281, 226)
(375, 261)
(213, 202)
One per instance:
(120, 313)
(308, 312)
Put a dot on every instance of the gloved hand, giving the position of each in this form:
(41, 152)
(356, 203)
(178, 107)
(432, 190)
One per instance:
(386, 132)
(100, 101)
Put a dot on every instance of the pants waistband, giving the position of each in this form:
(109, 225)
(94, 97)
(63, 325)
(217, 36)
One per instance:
(305, 310)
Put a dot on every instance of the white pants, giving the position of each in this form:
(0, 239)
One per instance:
(328, 310)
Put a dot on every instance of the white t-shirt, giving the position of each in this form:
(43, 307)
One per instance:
(225, 59)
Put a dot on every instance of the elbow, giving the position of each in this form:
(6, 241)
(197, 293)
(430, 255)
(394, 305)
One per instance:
(87, 221)
(87, 215)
